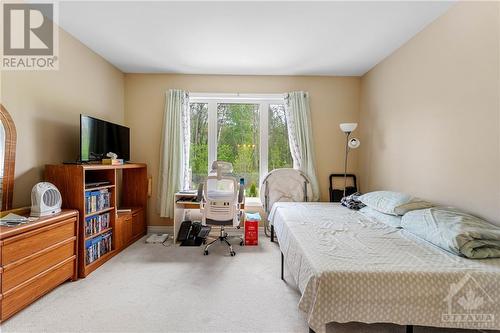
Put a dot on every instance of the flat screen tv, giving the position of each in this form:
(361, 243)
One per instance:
(99, 137)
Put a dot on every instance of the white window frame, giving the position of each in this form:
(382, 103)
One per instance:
(264, 101)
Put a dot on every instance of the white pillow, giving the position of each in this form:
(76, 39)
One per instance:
(393, 221)
(393, 203)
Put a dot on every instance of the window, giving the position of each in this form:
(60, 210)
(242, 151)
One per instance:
(247, 130)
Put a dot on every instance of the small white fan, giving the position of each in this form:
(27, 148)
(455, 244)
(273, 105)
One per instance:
(45, 199)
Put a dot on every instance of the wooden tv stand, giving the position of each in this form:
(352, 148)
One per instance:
(127, 186)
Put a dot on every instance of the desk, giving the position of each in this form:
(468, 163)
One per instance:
(182, 206)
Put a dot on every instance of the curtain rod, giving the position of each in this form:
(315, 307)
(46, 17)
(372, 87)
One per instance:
(236, 96)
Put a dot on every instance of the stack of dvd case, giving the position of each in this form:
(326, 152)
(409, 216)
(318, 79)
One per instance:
(97, 247)
(97, 200)
(96, 224)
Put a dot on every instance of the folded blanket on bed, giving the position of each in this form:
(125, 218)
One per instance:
(352, 201)
(455, 231)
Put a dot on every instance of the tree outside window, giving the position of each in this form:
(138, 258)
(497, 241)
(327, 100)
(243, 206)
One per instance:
(279, 149)
(237, 140)
(198, 153)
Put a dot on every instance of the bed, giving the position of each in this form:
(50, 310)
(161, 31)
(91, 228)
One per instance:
(351, 268)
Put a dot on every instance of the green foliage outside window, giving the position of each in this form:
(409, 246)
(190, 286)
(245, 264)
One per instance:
(238, 139)
(198, 159)
(253, 190)
(238, 134)
(279, 150)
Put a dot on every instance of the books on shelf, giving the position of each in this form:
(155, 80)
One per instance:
(112, 161)
(96, 224)
(97, 200)
(97, 247)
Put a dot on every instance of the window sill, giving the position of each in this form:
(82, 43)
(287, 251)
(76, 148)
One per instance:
(253, 202)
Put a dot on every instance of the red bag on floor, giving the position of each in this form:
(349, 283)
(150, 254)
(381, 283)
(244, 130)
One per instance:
(251, 232)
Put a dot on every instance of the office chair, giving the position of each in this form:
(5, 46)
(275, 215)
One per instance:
(221, 197)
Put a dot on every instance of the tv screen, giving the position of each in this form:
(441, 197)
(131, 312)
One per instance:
(99, 137)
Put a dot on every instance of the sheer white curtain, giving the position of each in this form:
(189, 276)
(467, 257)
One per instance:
(174, 153)
(298, 118)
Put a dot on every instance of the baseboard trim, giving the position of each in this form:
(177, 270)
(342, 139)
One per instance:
(160, 229)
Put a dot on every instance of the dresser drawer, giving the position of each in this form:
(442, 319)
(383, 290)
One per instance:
(26, 244)
(19, 298)
(23, 270)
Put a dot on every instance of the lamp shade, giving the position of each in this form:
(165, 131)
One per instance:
(354, 143)
(348, 127)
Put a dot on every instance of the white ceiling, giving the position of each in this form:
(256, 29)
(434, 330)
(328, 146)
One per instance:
(259, 38)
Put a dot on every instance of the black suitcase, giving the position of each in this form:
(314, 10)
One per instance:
(184, 230)
(193, 233)
(337, 194)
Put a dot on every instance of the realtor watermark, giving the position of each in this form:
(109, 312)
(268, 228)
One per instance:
(469, 305)
(30, 36)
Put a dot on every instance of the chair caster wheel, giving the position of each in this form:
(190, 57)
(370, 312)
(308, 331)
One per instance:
(241, 243)
(205, 253)
(232, 253)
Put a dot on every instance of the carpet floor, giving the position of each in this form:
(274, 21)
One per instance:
(156, 288)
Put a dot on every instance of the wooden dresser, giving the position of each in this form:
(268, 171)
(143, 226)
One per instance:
(35, 258)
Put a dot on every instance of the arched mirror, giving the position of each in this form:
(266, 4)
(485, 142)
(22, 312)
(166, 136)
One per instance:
(7, 159)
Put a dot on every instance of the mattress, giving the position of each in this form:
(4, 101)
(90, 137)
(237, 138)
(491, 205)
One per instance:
(350, 268)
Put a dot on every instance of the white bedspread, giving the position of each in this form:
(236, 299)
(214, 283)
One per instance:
(351, 268)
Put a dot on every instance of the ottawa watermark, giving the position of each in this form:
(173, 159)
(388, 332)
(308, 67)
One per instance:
(30, 36)
(469, 305)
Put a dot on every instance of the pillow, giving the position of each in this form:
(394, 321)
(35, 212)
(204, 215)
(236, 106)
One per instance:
(393, 203)
(455, 231)
(393, 221)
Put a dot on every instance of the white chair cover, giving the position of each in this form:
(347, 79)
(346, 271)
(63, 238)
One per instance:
(285, 185)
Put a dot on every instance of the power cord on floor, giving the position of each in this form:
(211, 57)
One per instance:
(165, 242)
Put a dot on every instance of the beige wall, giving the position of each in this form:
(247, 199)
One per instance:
(429, 112)
(430, 119)
(45, 106)
(333, 100)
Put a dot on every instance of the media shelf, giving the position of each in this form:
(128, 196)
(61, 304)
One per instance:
(102, 211)
(98, 233)
(98, 188)
(96, 264)
(125, 183)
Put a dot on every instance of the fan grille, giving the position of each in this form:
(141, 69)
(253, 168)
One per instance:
(51, 197)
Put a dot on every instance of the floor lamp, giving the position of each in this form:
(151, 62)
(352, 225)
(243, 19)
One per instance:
(350, 143)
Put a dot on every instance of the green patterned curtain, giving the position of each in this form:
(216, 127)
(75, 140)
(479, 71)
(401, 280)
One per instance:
(174, 153)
